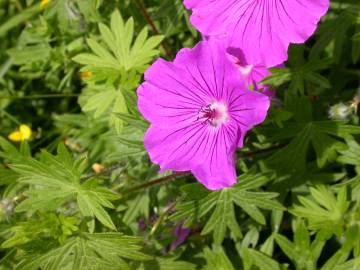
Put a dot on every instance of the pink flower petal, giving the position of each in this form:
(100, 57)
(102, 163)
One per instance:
(200, 111)
(262, 29)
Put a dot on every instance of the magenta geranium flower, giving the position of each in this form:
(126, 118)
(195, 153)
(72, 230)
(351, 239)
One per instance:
(200, 111)
(263, 29)
(253, 73)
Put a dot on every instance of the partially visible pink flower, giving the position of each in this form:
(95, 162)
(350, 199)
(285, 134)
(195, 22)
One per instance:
(200, 112)
(192, 3)
(263, 29)
(253, 73)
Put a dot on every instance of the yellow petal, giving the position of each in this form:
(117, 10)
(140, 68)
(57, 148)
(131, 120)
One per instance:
(85, 74)
(25, 131)
(44, 4)
(16, 136)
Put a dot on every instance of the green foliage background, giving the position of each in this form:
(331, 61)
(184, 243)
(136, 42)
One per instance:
(70, 69)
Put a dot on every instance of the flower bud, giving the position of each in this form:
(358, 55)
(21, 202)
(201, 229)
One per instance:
(340, 111)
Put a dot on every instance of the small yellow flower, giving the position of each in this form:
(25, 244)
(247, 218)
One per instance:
(44, 4)
(85, 74)
(24, 133)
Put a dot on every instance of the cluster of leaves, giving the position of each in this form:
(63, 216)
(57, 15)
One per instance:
(82, 193)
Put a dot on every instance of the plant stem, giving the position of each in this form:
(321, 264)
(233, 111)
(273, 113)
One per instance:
(5, 67)
(107, 170)
(262, 151)
(161, 218)
(12, 118)
(183, 174)
(20, 9)
(157, 181)
(7, 255)
(153, 26)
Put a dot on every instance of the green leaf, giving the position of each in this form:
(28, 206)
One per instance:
(139, 206)
(88, 251)
(261, 260)
(90, 206)
(30, 54)
(133, 121)
(351, 155)
(120, 53)
(293, 156)
(324, 136)
(303, 253)
(100, 102)
(299, 73)
(18, 19)
(10, 152)
(56, 180)
(104, 101)
(287, 246)
(222, 203)
(333, 31)
(116, 65)
(222, 217)
(58, 227)
(351, 264)
(167, 264)
(338, 258)
(301, 236)
(268, 246)
(323, 210)
(217, 259)
(68, 16)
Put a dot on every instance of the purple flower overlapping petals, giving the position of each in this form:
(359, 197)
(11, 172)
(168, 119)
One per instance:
(202, 104)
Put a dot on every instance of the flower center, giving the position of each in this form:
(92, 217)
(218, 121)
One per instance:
(214, 114)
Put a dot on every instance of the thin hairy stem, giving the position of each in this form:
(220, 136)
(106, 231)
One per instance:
(157, 181)
(149, 20)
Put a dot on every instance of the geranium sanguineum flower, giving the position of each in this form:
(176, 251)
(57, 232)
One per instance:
(253, 73)
(263, 29)
(200, 111)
